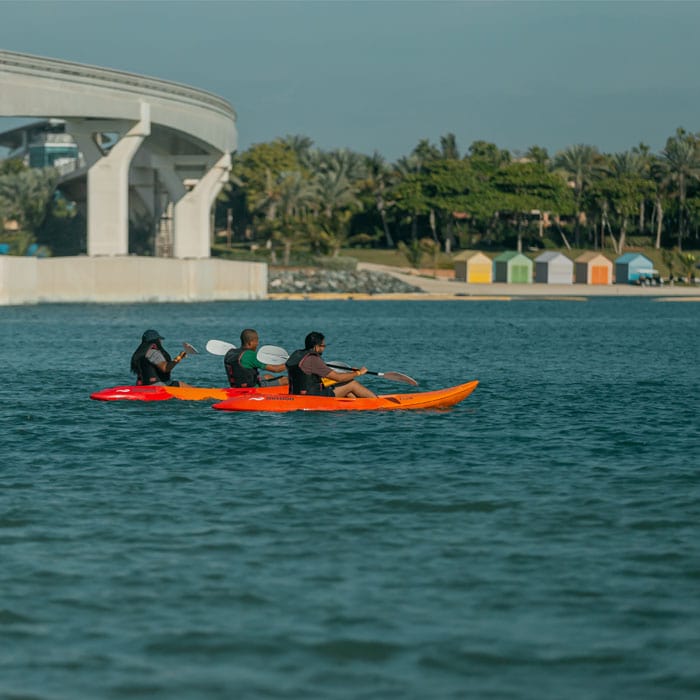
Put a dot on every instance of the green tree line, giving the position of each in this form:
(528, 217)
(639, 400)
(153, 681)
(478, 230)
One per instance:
(294, 196)
(290, 198)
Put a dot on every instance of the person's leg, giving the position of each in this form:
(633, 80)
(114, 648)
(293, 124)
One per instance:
(353, 389)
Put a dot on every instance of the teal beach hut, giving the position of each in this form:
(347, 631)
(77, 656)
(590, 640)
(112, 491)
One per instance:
(632, 267)
(512, 267)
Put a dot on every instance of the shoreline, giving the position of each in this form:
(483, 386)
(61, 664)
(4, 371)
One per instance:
(443, 289)
(418, 296)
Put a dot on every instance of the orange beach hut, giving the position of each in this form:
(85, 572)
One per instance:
(593, 268)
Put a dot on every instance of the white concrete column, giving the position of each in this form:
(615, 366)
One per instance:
(108, 185)
(192, 224)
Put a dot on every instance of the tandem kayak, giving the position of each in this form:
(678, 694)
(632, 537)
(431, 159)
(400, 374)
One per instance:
(184, 393)
(282, 403)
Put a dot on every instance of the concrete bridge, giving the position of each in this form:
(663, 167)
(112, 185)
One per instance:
(162, 144)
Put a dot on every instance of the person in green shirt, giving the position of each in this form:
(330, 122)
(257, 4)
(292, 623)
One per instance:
(243, 367)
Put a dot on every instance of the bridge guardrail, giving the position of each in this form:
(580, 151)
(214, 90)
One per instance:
(78, 72)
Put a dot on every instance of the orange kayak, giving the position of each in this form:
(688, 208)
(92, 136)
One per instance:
(184, 393)
(282, 403)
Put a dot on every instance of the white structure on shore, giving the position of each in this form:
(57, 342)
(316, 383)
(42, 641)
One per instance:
(138, 136)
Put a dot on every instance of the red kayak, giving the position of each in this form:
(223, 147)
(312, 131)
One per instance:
(184, 393)
(283, 403)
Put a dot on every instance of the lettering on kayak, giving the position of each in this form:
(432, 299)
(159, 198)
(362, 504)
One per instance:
(270, 398)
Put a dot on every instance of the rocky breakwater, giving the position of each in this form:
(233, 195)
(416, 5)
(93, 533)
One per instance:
(319, 281)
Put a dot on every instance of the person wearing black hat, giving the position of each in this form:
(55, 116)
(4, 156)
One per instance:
(151, 362)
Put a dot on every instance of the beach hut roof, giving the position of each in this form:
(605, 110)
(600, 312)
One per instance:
(591, 255)
(509, 255)
(629, 257)
(468, 255)
(550, 255)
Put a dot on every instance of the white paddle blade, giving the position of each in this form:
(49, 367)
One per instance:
(398, 377)
(190, 349)
(272, 355)
(219, 347)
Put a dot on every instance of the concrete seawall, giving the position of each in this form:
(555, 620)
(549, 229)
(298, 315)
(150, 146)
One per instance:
(83, 279)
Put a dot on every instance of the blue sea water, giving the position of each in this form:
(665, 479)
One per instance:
(541, 540)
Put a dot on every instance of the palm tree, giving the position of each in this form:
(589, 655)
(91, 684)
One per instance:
(682, 160)
(631, 169)
(425, 152)
(580, 163)
(538, 154)
(644, 161)
(335, 191)
(301, 146)
(448, 146)
(297, 196)
(378, 181)
(658, 175)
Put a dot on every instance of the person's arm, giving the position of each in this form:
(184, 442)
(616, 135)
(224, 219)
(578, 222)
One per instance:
(156, 358)
(168, 366)
(275, 368)
(346, 376)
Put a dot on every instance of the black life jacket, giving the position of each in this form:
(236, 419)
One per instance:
(149, 373)
(238, 375)
(299, 381)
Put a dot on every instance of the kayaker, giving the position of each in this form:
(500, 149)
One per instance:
(307, 370)
(151, 362)
(243, 367)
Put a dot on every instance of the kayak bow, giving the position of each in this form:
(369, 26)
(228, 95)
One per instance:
(184, 393)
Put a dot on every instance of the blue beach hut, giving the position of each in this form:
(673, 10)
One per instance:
(632, 267)
(512, 267)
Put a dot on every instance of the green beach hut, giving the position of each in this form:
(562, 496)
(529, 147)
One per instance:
(512, 267)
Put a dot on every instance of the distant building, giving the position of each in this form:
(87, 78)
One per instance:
(634, 267)
(512, 267)
(41, 144)
(473, 267)
(552, 267)
(593, 268)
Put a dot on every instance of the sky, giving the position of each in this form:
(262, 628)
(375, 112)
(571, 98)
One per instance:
(382, 75)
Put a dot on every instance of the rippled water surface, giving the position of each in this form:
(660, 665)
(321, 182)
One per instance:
(541, 540)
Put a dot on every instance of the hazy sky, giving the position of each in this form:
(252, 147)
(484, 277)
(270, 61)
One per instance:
(383, 75)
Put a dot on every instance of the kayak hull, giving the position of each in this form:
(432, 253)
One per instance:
(284, 403)
(183, 393)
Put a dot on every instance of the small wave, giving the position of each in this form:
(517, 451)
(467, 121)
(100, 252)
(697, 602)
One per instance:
(357, 650)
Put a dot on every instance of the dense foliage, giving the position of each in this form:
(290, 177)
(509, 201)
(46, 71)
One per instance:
(288, 200)
(294, 197)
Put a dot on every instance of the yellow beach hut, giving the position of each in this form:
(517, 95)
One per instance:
(473, 267)
(593, 268)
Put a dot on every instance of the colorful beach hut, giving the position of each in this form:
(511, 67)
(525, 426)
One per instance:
(512, 267)
(473, 267)
(632, 267)
(552, 267)
(593, 268)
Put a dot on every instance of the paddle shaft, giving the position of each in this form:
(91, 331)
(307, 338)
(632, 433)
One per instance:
(391, 376)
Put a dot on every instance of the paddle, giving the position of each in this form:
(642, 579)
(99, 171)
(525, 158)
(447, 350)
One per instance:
(271, 355)
(190, 349)
(219, 347)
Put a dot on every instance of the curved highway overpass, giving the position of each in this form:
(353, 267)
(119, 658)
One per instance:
(163, 145)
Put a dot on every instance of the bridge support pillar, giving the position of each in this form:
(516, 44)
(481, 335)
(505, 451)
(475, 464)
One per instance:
(108, 184)
(192, 212)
